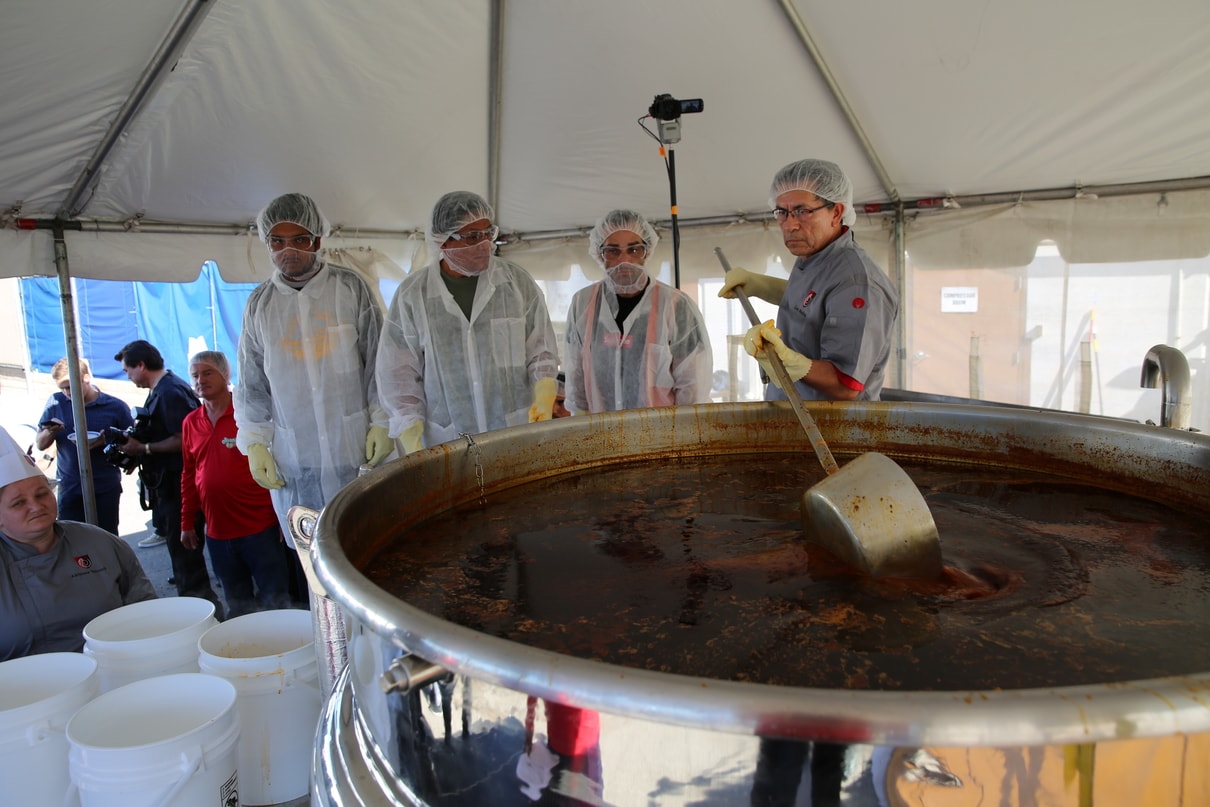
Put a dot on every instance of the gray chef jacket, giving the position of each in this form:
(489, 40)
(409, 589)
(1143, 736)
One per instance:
(46, 600)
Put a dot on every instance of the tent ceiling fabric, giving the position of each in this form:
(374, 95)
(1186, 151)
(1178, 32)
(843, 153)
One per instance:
(376, 109)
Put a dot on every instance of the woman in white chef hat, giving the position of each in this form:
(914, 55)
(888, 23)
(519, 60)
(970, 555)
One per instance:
(55, 576)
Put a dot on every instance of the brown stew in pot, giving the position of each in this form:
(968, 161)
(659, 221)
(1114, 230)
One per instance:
(698, 567)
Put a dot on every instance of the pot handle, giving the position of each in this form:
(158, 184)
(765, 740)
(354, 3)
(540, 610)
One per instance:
(408, 672)
(302, 522)
(331, 627)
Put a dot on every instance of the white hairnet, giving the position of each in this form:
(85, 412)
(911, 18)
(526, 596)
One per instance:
(452, 212)
(293, 208)
(614, 221)
(820, 177)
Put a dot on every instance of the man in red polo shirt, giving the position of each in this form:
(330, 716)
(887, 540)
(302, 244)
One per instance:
(242, 534)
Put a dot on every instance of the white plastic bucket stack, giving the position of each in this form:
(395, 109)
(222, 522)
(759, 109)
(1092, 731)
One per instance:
(170, 740)
(145, 639)
(270, 659)
(38, 695)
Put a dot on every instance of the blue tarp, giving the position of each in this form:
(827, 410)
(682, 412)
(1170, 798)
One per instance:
(178, 318)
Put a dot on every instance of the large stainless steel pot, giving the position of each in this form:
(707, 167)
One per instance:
(399, 730)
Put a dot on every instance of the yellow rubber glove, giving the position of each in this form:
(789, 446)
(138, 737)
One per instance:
(545, 390)
(761, 337)
(378, 445)
(766, 287)
(263, 468)
(412, 437)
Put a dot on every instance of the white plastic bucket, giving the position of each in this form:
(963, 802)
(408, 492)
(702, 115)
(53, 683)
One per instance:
(149, 638)
(270, 659)
(169, 740)
(38, 695)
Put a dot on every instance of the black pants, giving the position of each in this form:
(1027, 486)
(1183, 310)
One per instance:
(188, 565)
(779, 768)
(253, 570)
(71, 508)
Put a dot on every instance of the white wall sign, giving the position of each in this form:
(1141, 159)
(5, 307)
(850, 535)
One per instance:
(959, 299)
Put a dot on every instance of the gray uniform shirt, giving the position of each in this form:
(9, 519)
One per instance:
(839, 307)
(46, 600)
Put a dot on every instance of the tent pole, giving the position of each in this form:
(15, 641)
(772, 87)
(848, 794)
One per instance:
(73, 371)
(804, 36)
(899, 273)
(883, 208)
(495, 88)
(162, 62)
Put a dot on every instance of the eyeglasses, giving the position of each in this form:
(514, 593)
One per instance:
(799, 213)
(279, 242)
(470, 239)
(612, 252)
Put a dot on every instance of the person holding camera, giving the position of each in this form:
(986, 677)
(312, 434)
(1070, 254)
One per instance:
(57, 425)
(837, 312)
(467, 345)
(631, 340)
(158, 447)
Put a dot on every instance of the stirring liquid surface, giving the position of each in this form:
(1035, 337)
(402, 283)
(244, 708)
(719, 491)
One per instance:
(699, 567)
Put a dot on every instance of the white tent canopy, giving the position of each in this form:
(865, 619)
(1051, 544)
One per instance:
(162, 130)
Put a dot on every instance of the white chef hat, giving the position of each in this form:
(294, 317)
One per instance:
(15, 464)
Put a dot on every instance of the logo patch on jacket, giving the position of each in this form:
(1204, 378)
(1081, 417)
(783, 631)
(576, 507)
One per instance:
(84, 562)
(810, 296)
(618, 340)
(859, 302)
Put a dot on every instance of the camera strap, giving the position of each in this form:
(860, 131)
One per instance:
(145, 495)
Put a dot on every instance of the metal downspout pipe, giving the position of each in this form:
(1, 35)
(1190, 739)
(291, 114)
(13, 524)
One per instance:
(1166, 367)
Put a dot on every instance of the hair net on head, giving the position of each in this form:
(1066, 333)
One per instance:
(294, 208)
(452, 212)
(614, 221)
(820, 177)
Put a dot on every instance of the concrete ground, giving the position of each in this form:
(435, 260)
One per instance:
(21, 402)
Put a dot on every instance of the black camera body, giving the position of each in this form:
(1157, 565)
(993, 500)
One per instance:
(115, 437)
(665, 107)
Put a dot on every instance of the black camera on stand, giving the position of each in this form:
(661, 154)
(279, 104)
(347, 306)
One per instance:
(665, 107)
(668, 110)
(115, 437)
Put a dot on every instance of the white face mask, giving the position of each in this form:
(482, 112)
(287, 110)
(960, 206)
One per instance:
(626, 279)
(469, 261)
(295, 264)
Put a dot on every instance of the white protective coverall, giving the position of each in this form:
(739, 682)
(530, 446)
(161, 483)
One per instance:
(662, 356)
(306, 387)
(464, 376)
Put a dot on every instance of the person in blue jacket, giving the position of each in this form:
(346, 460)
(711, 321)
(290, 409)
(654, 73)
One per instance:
(58, 425)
